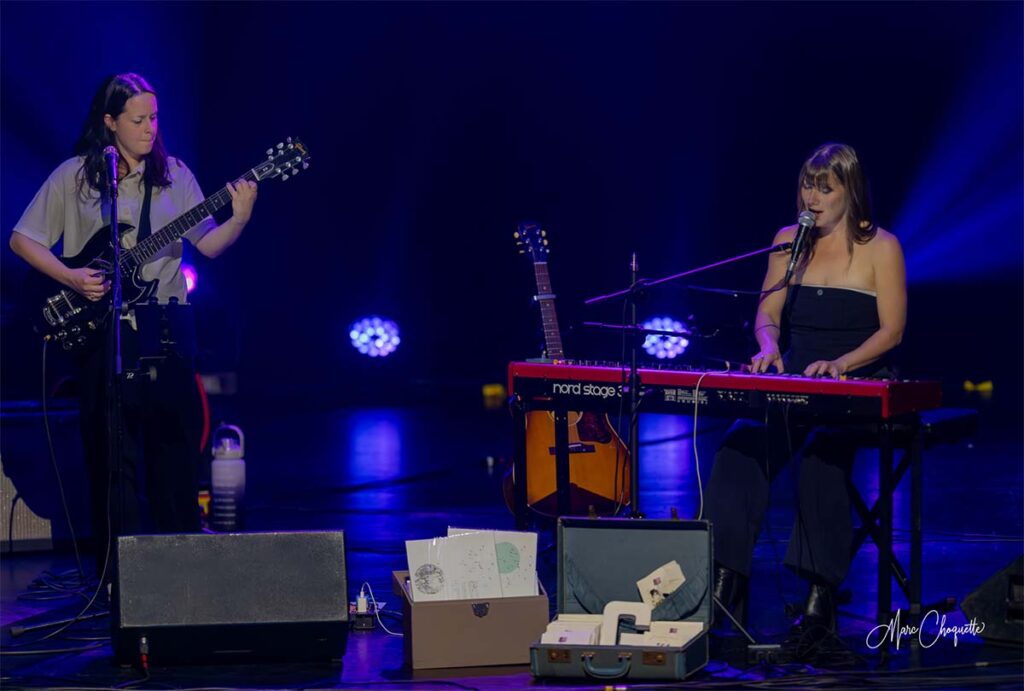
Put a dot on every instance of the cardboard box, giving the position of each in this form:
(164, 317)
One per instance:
(469, 633)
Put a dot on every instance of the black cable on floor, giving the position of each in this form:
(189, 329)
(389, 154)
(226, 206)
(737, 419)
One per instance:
(56, 470)
(136, 682)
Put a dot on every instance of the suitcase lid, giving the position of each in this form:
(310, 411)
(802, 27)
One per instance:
(601, 560)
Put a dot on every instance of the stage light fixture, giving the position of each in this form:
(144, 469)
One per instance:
(374, 336)
(662, 346)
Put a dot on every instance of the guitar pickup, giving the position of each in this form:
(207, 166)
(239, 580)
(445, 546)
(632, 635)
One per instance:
(543, 296)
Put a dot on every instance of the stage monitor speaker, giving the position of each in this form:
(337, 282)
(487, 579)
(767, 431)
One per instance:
(209, 598)
(998, 603)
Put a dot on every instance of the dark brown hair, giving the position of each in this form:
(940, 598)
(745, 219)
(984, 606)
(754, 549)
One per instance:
(111, 98)
(841, 161)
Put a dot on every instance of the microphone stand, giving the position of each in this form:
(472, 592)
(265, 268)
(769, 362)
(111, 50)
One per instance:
(115, 441)
(781, 247)
(639, 331)
(631, 295)
(636, 288)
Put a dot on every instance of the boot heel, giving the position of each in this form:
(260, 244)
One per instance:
(730, 590)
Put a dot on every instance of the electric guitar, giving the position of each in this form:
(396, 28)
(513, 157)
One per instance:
(599, 463)
(71, 319)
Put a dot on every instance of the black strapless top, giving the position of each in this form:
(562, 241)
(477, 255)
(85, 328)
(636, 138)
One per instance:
(824, 323)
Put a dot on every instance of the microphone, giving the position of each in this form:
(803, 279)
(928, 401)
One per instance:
(110, 155)
(806, 221)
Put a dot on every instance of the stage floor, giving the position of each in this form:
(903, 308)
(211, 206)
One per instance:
(385, 475)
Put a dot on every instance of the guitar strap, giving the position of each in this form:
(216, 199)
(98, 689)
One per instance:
(144, 224)
(145, 229)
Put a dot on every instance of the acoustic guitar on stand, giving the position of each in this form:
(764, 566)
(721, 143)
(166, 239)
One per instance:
(599, 462)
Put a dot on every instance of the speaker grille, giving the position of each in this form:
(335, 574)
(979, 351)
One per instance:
(250, 578)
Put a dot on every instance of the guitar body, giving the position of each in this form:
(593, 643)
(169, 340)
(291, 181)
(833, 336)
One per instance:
(73, 319)
(599, 465)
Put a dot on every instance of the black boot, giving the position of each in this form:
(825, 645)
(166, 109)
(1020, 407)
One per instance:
(731, 592)
(819, 610)
(813, 632)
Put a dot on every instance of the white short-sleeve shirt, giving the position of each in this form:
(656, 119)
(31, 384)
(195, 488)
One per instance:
(59, 211)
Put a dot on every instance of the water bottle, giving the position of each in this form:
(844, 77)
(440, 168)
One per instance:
(227, 479)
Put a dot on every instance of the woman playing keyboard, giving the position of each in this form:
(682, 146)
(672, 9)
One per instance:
(840, 311)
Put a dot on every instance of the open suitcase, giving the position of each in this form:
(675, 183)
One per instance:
(601, 560)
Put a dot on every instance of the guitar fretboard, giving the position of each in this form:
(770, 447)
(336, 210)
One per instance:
(548, 316)
(152, 245)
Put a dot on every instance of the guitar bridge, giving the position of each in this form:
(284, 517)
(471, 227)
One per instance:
(59, 308)
(575, 447)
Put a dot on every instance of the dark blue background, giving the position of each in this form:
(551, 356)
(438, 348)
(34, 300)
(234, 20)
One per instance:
(672, 130)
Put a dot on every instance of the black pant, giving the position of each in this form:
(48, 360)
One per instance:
(162, 425)
(737, 495)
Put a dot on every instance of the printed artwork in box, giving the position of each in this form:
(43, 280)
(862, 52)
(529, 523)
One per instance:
(460, 567)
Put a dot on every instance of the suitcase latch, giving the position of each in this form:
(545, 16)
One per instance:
(654, 658)
(558, 656)
(481, 609)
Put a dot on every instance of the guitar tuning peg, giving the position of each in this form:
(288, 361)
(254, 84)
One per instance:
(289, 140)
(280, 145)
(305, 165)
(515, 234)
(284, 177)
(543, 233)
(270, 151)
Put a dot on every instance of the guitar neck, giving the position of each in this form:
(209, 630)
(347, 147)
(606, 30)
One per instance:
(152, 245)
(548, 316)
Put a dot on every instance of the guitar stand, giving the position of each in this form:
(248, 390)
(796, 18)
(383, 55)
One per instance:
(563, 495)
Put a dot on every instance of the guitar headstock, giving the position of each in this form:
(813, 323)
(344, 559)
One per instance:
(532, 239)
(284, 161)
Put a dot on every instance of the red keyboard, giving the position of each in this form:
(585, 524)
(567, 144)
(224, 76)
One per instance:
(601, 387)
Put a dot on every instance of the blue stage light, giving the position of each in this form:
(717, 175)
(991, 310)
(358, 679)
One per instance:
(191, 277)
(374, 336)
(661, 346)
(962, 219)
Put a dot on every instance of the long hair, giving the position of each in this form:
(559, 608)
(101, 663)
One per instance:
(841, 161)
(110, 99)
